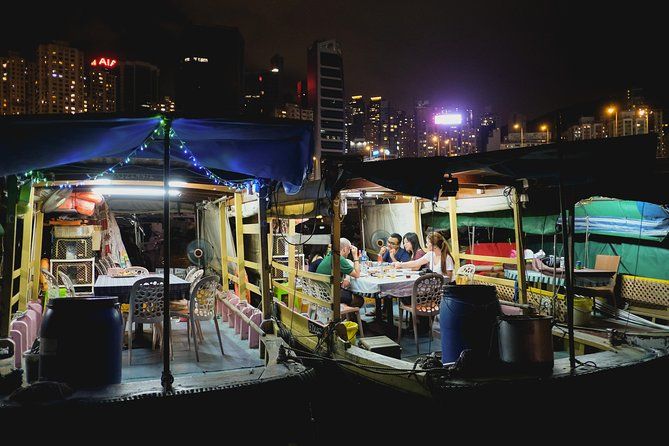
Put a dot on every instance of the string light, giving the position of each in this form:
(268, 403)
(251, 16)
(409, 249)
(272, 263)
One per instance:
(251, 186)
(238, 186)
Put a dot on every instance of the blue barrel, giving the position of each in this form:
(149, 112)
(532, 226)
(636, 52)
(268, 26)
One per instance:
(80, 341)
(468, 321)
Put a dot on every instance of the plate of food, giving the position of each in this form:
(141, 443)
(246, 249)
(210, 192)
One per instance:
(124, 273)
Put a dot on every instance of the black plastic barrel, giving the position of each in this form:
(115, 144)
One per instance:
(468, 321)
(80, 341)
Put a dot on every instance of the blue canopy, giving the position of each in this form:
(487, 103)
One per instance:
(278, 151)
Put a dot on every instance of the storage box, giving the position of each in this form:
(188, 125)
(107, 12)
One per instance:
(82, 231)
(382, 345)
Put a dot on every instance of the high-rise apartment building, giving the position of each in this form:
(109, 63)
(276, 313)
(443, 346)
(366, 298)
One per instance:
(137, 86)
(61, 80)
(210, 72)
(587, 128)
(101, 82)
(18, 92)
(377, 125)
(424, 126)
(325, 84)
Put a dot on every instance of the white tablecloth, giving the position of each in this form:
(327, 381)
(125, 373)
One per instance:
(399, 286)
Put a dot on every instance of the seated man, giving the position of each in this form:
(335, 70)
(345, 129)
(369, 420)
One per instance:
(352, 269)
(393, 252)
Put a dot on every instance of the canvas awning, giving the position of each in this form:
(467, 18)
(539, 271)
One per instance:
(616, 167)
(280, 151)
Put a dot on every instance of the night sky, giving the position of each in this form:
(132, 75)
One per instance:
(529, 57)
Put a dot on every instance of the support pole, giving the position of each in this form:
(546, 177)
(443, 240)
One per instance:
(26, 251)
(566, 244)
(520, 246)
(167, 379)
(455, 243)
(417, 223)
(9, 223)
(37, 253)
(239, 229)
(223, 223)
(263, 201)
(336, 259)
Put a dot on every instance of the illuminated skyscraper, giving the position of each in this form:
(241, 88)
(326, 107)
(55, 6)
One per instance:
(60, 79)
(325, 83)
(17, 85)
(101, 81)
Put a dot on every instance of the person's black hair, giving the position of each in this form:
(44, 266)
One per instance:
(317, 250)
(397, 236)
(415, 243)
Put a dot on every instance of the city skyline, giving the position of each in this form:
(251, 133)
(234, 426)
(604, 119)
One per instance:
(501, 57)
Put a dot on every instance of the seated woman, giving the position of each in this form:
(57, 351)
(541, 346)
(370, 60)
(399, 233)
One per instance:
(437, 258)
(316, 257)
(412, 246)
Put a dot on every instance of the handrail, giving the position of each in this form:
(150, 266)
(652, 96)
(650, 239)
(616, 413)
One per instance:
(246, 319)
(254, 288)
(252, 265)
(646, 279)
(302, 295)
(488, 258)
(493, 280)
(327, 278)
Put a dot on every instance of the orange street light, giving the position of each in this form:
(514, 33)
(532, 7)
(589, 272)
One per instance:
(612, 110)
(544, 128)
(518, 126)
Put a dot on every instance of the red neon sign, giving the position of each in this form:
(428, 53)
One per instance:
(104, 62)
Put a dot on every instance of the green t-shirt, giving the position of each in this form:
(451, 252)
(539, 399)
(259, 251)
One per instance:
(325, 266)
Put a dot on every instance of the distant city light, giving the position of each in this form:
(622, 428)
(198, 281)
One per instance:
(274, 70)
(448, 119)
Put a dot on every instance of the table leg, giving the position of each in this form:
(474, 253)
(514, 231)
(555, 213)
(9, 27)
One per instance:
(388, 303)
(378, 315)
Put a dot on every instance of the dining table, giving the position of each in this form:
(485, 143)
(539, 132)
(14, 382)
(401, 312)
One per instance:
(384, 285)
(121, 287)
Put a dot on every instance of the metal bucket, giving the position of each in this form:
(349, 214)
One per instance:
(526, 342)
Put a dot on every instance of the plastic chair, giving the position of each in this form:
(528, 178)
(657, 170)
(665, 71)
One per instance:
(425, 298)
(146, 307)
(201, 307)
(467, 271)
(67, 282)
(193, 275)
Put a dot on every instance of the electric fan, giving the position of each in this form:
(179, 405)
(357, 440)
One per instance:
(200, 252)
(379, 239)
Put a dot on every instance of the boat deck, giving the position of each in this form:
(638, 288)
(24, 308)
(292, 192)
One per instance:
(148, 363)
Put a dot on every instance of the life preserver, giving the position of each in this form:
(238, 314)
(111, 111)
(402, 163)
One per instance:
(82, 203)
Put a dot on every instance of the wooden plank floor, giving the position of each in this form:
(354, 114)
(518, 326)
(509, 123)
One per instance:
(148, 364)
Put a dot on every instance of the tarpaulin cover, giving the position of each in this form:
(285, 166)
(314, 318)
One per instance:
(278, 151)
(616, 167)
(602, 216)
(33, 143)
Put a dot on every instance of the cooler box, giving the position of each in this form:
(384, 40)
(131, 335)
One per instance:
(382, 345)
